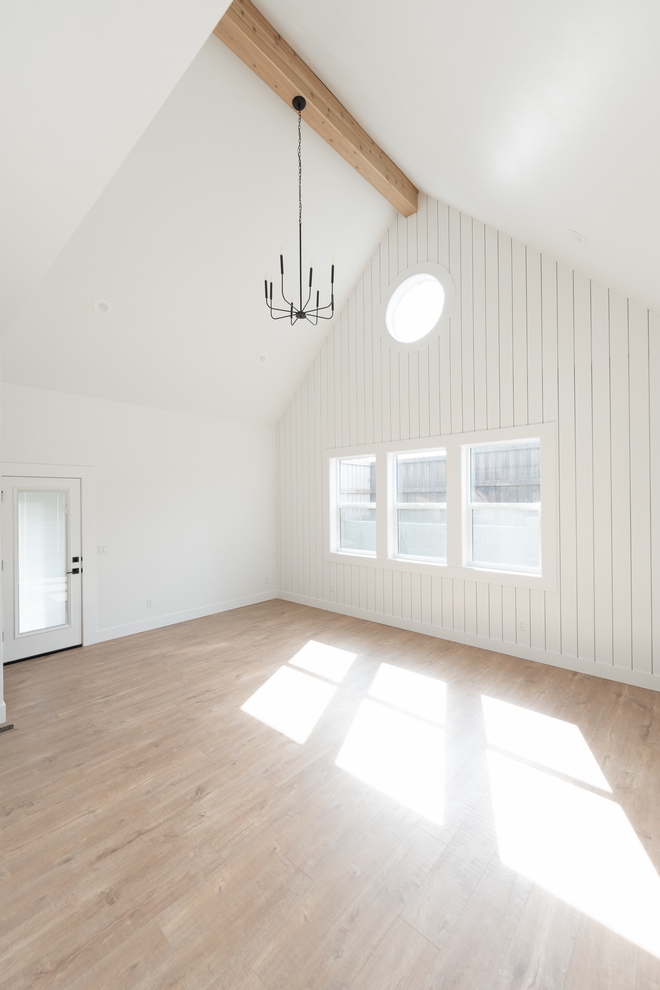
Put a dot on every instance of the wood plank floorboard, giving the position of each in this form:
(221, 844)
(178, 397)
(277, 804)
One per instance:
(154, 834)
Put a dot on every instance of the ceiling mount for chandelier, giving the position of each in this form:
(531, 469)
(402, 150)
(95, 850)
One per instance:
(301, 311)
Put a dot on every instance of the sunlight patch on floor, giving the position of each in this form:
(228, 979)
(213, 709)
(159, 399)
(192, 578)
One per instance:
(576, 844)
(290, 702)
(326, 661)
(414, 693)
(399, 747)
(550, 742)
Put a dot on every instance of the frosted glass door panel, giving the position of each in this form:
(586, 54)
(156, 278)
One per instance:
(42, 560)
(43, 565)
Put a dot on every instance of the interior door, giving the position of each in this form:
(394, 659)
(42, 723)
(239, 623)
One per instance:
(41, 567)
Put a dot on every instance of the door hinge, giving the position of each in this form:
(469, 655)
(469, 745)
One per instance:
(3, 637)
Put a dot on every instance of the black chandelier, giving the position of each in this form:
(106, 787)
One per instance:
(301, 312)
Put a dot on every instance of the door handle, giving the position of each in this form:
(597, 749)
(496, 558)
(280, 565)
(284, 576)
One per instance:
(76, 570)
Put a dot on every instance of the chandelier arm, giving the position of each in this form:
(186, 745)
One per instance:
(330, 305)
(278, 309)
(309, 294)
(320, 309)
(287, 301)
(286, 313)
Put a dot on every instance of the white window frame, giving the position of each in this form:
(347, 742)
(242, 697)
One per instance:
(394, 506)
(458, 551)
(338, 505)
(470, 506)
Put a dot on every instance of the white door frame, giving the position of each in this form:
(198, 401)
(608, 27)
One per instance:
(86, 473)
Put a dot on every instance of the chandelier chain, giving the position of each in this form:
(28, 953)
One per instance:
(299, 169)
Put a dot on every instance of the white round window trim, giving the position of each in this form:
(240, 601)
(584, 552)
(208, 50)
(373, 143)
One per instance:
(415, 308)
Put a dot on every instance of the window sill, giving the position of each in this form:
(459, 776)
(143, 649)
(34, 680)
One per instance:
(407, 565)
(346, 556)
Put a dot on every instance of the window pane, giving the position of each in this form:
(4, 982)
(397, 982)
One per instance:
(357, 529)
(506, 472)
(422, 478)
(357, 480)
(42, 557)
(423, 532)
(506, 538)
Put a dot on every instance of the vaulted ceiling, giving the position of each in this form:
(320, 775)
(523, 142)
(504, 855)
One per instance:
(179, 243)
(144, 170)
(79, 82)
(538, 118)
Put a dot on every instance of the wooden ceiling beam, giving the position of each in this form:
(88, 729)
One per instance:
(256, 42)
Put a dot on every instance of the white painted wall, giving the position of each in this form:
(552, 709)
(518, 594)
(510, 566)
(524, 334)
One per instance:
(530, 341)
(185, 504)
(79, 82)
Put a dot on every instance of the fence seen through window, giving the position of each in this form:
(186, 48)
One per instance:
(356, 504)
(421, 504)
(505, 505)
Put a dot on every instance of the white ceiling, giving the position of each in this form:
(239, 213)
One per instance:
(536, 117)
(79, 82)
(179, 243)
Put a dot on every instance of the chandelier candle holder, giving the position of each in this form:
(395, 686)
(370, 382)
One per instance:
(303, 311)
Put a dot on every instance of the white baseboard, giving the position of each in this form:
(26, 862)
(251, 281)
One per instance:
(610, 673)
(159, 621)
(3, 712)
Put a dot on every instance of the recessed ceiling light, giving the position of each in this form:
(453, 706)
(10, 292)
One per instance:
(262, 359)
(577, 236)
(101, 306)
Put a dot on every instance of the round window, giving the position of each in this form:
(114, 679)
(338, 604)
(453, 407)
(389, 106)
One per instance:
(415, 308)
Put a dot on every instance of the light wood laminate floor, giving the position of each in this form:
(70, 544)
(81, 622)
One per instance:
(155, 835)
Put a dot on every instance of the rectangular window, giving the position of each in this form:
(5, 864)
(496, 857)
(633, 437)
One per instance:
(421, 505)
(356, 505)
(452, 506)
(504, 507)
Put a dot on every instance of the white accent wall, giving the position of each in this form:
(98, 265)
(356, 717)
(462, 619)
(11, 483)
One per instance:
(185, 504)
(530, 341)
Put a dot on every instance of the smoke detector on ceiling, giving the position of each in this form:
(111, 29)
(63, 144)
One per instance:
(101, 306)
(262, 359)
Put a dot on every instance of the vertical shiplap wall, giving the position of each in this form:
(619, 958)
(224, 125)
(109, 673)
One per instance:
(529, 341)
